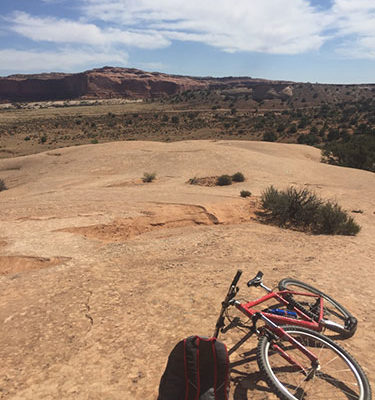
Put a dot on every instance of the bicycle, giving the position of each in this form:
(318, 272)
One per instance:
(310, 309)
(296, 361)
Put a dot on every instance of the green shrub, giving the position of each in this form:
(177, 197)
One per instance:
(293, 128)
(269, 136)
(94, 141)
(293, 206)
(43, 139)
(332, 220)
(238, 177)
(3, 186)
(358, 152)
(245, 193)
(309, 139)
(270, 199)
(148, 177)
(302, 209)
(224, 180)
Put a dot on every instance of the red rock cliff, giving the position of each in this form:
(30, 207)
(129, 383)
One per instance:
(111, 82)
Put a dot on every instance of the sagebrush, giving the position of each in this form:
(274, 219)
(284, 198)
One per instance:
(238, 177)
(224, 180)
(148, 177)
(3, 186)
(303, 209)
(245, 193)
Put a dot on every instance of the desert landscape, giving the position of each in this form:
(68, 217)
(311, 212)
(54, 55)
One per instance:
(40, 112)
(149, 150)
(101, 274)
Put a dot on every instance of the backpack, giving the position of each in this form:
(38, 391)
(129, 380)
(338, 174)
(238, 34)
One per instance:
(197, 369)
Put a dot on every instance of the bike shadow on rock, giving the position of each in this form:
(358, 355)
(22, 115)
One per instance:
(246, 383)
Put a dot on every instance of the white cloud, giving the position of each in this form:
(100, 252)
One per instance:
(355, 17)
(60, 60)
(137, 38)
(266, 26)
(257, 25)
(355, 22)
(55, 30)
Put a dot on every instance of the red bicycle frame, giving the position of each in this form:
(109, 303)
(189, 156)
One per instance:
(273, 322)
(304, 321)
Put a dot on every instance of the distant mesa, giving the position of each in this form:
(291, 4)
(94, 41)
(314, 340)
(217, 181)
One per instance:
(135, 84)
(129, 83)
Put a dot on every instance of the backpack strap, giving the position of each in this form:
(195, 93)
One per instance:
(215, 366)
(218, 360)
(191, 359)
(172, 382)
(221, 372)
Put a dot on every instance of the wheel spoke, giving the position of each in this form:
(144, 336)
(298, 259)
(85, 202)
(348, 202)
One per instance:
(337, 378)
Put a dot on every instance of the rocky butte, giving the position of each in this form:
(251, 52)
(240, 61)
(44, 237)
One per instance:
(114, 82)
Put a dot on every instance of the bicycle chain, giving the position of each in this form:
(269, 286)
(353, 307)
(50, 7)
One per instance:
(301, 308)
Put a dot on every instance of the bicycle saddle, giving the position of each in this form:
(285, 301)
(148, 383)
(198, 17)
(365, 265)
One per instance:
(257, 280)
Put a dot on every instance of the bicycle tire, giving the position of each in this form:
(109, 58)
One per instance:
(340, 376)
(344, 322)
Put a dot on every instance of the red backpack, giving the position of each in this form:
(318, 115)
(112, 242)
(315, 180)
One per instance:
(197, 369)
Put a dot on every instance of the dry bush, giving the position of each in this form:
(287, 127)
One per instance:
(245, 193)
(224, 180)
(238, 177)
(301, 208)
(148, 177)
(3, 186)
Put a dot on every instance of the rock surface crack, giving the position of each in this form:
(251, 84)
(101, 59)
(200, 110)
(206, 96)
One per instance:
(88, 310)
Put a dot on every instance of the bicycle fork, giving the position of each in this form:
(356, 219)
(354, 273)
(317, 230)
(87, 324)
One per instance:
(282, 334)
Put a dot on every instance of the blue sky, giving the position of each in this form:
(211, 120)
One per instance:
(329, 41)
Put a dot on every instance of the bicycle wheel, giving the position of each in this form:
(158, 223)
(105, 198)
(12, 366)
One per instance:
(339, 376)
(335, 317)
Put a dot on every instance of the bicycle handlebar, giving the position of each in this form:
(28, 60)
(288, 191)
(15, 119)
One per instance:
(230, 294)
(232, 291)
(236, 277)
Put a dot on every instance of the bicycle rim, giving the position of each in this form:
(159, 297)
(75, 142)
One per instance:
(342, 320)
(339, 377)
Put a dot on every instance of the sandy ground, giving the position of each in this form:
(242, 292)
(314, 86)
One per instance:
(101, 274)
